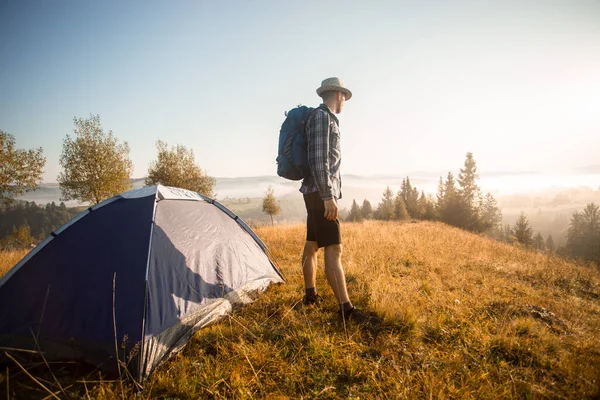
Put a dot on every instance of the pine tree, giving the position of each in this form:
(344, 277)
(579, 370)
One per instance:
(413, 203)
(386, 208)
(550, 246)
(422, 205)
(491, 216)
(523, 231)
(366, 209)
(355, 214)
(430, 209)
(469, 194)
(449, 203)
(507, 234)
(469, 191)
(575, 236)
(401, 213)
(410, 196)
(583, 236)
(538, 242)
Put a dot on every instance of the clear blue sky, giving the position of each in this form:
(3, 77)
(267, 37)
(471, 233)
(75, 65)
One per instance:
(516, 82)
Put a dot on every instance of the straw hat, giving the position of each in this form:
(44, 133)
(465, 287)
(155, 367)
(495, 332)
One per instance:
(334, 84)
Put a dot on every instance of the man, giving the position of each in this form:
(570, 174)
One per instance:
(321, 191)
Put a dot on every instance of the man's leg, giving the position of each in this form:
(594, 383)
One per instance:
(335, 273)
(309, 265)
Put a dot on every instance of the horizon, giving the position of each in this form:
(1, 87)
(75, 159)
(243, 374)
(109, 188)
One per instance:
(515, 84)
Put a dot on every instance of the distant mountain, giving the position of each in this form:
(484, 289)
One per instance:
(362, 187)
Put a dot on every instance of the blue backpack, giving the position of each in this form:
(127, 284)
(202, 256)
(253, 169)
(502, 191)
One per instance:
(292, 157)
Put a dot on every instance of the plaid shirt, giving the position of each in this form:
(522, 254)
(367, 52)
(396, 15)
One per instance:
(324, 155)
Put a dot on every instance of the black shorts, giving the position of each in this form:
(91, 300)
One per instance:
(319, 229)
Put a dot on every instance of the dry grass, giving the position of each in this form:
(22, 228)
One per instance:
(8, 258)
(464, 317)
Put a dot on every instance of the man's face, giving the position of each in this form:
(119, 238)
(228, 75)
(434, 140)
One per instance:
(341, 102)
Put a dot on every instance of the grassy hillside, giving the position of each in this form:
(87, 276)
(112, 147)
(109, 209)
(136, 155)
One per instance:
(8, 258)
(464, 317)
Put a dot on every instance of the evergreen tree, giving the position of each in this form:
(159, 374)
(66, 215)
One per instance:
(469, 191)
(386, 208)
(410, 197)
(366, 209)
(538, 242)
(583, 236)
(400, 213)
(20, 238)
(449, 203)
(491, 216)
(40, 220)
(576, 235)
(422, 205)
(440, 193)
(355, 214)
(523, 231)
(550, 246)
(430, 209)
(507, 234)
(469, 195)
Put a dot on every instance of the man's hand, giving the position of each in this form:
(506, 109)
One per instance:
(331, 210)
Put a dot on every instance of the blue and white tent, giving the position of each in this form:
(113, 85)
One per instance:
(155, 264)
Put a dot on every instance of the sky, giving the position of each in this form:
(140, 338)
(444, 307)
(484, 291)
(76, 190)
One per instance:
(515, 82)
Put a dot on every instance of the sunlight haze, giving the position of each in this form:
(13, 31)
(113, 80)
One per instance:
(516, 83)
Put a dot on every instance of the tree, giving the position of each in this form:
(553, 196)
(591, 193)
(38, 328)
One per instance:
(449, 201)
(469, 191)
(95, 165)
(366, 210)
(583, 236)
(355, 215)
(538, 242)
(490, 215)
(469, 195)
(400, 211)
(422, 205)
(20, 170)
(550, 246)
(177, 167)
(386, 208)
(410, 197)
(20, 238)
(270, 204)
(507, 234)
(523, 232)
(430, 209)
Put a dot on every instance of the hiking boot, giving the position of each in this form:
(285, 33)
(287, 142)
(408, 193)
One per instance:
(309, 300)
(354, 314)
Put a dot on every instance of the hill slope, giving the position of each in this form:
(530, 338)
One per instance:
(465, 317)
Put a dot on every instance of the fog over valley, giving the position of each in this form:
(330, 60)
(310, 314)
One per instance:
(547, 199)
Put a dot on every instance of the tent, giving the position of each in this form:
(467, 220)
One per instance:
(137, 274)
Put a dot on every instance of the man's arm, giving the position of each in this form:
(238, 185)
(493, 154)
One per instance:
(318, 160)
(318, 153)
